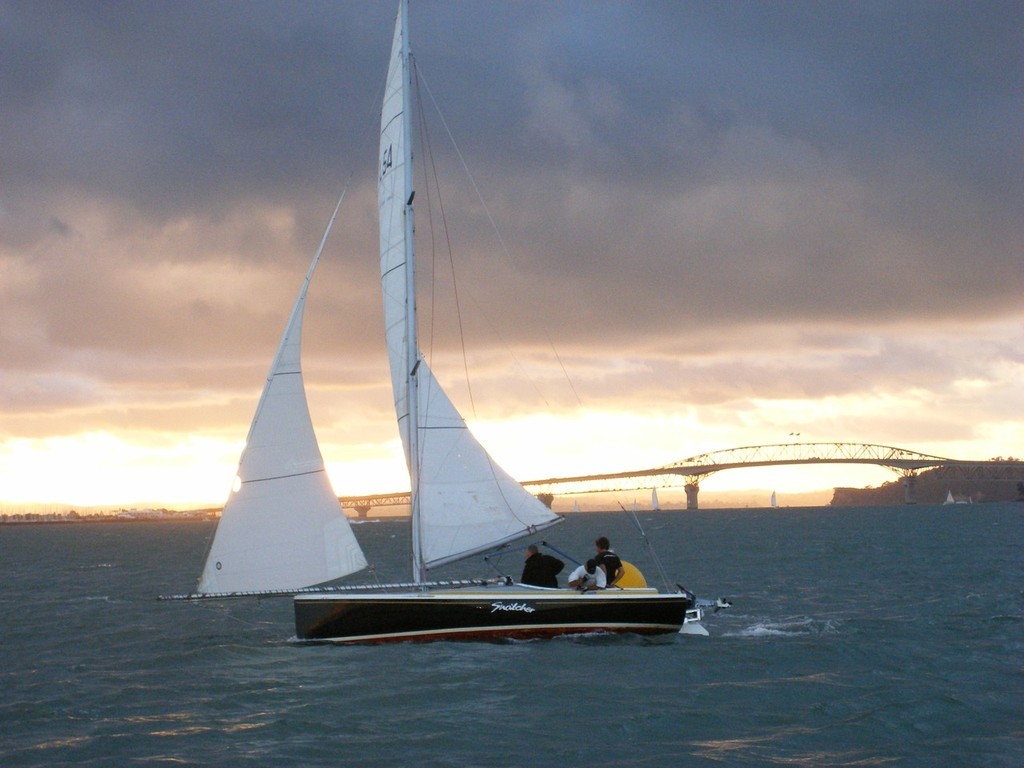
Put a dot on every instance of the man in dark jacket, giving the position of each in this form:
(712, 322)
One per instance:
(541, 570)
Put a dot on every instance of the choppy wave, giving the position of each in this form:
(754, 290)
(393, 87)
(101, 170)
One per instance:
(831, 656)
(792, 627)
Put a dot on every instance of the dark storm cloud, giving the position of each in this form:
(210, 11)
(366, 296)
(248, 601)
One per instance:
(176, 105)
(189, 101)
(656, 167)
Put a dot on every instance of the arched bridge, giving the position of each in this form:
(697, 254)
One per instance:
(689, 472)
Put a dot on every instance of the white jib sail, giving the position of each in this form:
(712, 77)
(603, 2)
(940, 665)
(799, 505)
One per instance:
(282, 527)
(466, 502)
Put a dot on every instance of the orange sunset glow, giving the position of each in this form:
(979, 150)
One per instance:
(689, 258)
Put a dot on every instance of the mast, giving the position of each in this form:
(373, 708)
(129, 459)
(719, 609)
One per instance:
(412, 343)
(463, 503)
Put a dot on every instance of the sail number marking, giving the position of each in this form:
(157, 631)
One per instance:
(386, 162)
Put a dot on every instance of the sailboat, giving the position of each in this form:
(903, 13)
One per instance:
(283, 531)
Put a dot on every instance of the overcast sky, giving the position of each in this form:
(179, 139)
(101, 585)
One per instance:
(730, 221)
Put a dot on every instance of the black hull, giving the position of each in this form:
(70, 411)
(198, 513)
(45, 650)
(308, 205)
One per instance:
(484, 615)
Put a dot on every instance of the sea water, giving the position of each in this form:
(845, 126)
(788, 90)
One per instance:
(858, 637)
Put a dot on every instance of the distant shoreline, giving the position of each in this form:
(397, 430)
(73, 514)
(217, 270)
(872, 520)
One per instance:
(95, 519)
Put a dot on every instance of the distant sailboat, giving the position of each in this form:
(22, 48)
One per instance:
(774, 501)
(654, 500)
(951, 500)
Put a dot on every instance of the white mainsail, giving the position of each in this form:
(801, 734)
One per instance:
(463, 502)
(283, 527)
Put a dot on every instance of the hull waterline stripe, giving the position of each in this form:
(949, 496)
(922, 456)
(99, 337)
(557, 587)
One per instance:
(504, 631)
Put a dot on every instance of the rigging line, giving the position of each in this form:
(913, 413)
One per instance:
(566, 555)
(429, 153)
(649, 546)
(499, 553)
(558, 357)
(425, 134)
(487, 211)
(458, 303)
(511, 352)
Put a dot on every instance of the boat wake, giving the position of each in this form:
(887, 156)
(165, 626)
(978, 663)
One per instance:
(789, 627)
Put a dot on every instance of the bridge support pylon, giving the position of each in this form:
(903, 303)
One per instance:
(910, 489)
(692, 489)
